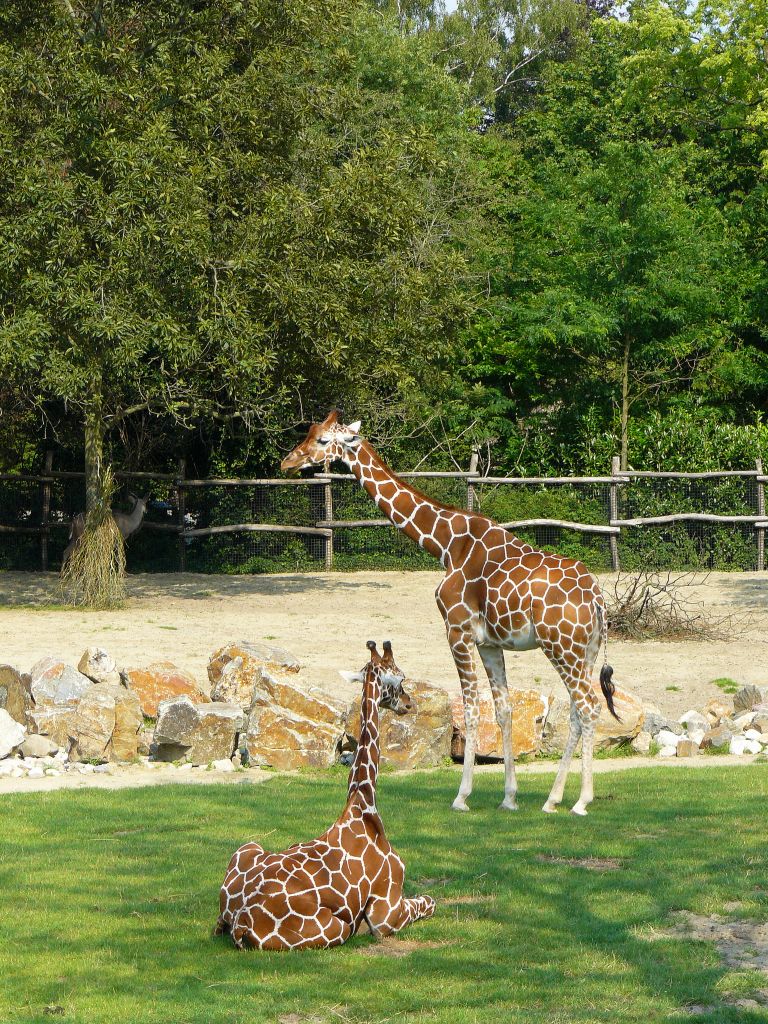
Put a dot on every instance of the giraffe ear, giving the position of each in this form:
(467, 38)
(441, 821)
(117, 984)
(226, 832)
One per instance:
(354, 428)
(352, 677)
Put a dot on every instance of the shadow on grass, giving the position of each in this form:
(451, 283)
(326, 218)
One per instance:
(115, 895)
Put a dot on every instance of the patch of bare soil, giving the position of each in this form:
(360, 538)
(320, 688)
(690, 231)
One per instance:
(590, 863)
(392, 946)
(183, 618)
(742, 945)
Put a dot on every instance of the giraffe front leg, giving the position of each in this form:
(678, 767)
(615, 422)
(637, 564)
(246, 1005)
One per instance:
(493, 662)
(461, 648)
(574, 732)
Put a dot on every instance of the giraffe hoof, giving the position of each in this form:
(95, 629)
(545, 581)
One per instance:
(549, 807)
(507, 805)
(459, 805)
(578, 809)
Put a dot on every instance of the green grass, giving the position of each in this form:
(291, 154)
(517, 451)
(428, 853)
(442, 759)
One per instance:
(727, 685)
(109, 899)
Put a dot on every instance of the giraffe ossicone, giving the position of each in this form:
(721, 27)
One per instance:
(498, 594)
(319, 893)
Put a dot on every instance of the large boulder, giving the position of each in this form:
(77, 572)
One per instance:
(290, 726)
(54, 721)
(106, 725)
(99, 666)
(629, 708)
(159, 682)
(15, 697)
(529, 711)
(419, 739)
(52, 681)
(749, 697)
(235, 670)
(196, 733)
(12, 733)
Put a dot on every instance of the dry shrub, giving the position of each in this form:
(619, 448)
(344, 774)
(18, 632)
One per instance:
(652, 605)
(94, 574)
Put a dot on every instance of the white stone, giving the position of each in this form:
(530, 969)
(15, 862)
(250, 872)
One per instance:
(18, 773)
(53, 772)
(11, 733)
(753, 734)
(223, 765)
(738, 745)
(668, 751)
(667, 738)
(102, 769)
(693, 720)
(753, 747)
(54, 682)
(697, 735)
(85, 769)
(641, 744)
(35, 773)
(99, 666)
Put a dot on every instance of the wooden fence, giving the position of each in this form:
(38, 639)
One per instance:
(326, 526)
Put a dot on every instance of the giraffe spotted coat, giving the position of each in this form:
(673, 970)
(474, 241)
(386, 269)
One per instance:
(321, 892)
(498, 594)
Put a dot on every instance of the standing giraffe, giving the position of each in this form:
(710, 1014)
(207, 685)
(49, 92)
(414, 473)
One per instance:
(321, 892)
(498, 594)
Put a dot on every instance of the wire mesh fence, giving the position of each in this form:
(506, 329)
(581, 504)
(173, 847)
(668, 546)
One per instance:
(329, 522)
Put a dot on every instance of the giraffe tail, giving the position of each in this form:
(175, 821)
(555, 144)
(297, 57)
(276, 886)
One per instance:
(606, 672)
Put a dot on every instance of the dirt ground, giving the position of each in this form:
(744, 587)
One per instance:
(325, 619)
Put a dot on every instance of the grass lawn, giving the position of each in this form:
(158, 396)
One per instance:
(108, 900)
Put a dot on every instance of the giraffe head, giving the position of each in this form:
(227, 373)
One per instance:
(393, 696)
(325, 442)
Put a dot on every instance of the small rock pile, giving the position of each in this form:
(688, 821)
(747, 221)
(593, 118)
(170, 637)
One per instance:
(740, 727)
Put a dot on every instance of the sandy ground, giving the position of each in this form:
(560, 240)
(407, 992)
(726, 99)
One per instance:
(325, 619)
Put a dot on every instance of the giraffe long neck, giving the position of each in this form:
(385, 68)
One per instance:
(425, 521)
(365, 767)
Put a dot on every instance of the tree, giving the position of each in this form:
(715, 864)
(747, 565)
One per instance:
(208, 210)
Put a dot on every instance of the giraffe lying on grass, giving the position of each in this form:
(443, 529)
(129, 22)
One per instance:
(321, 892)
(498, 594)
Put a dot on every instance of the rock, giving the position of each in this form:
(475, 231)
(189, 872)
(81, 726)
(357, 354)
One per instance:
(223, 765)
(556, 725)
(290, 726)
(697, 735)
(106, 724)
(667, 738)
(718, 737)
(36, 773)
(743, 722)
(629, 708)
(687, 748)
(529, 711)
(419, 739)
(748, 697)
(717, 709)
(668, 751)
(641, 744)
(655, 721)
(694, 720)
(196, 733)
(99, 666)
(56, 722)
(12, 733)
(761, 724)
(236, 670)
(738, 745)
(162, 681)
(38, 746)
(15, 697)
(54, 682)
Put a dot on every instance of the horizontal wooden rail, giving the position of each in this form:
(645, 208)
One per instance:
(523, 524)
(709, 474)
(677, 517)
(353, 524)
(266, 482)
(255, 528)
(519, 480)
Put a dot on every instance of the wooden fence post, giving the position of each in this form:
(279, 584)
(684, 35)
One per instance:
(45, 511)
(328, 508)
(614, 511)
(761, 513)
(473, 472)
(181, 512)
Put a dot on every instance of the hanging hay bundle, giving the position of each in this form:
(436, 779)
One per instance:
(94, 574)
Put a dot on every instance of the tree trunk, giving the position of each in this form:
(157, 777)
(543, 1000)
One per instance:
(625, 403)
(94, 444)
